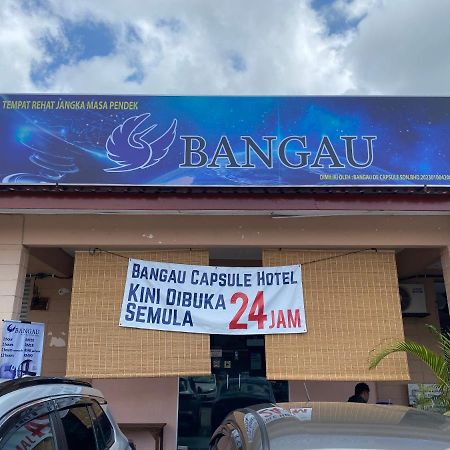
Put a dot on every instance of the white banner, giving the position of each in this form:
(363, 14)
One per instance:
(22, 346)
(214, 300)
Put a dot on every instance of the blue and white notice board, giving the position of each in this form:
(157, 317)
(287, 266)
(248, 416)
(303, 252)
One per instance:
(22, 348)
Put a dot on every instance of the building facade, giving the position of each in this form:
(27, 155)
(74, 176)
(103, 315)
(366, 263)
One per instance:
(63, 256)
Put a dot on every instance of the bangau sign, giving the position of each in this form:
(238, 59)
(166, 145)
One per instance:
(22, 347)
(213, 300)
(224, 141)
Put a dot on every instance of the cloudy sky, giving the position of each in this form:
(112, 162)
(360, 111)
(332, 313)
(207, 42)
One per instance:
(263, 47)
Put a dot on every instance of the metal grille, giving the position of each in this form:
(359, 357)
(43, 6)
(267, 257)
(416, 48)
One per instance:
(26, 297)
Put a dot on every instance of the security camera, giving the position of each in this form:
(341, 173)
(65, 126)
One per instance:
(63, 291)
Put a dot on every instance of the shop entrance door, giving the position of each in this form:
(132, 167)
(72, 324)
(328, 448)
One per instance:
(238, 375)
(238, 370)
(239, 366)
(238, 379)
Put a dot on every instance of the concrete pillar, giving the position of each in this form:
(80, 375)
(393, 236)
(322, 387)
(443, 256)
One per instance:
(13, 269)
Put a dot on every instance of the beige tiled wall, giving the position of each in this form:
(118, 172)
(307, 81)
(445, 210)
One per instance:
(99, 348)
(351, 308)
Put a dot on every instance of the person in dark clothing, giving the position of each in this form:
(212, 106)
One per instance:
(362, 393)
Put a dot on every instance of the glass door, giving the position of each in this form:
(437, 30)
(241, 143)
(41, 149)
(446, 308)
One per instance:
(238, 379)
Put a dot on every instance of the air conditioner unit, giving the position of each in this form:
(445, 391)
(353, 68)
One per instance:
(413, 300)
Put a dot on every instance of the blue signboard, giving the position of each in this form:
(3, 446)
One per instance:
(224, 141)
(22, 348)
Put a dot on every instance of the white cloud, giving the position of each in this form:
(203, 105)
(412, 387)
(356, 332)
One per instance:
(233, 47)
(20, 48)
(284, 48)
(102, 75)
(402, 48)
(355, 9)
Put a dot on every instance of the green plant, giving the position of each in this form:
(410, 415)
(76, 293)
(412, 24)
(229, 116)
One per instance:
(439, 363)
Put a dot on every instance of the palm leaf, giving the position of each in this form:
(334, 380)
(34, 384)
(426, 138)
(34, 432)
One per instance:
(444, 344)
(437, 363)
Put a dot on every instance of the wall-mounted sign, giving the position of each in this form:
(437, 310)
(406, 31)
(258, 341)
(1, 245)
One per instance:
(224, 141)
(213, 300)
(421, 395)
(22, 347)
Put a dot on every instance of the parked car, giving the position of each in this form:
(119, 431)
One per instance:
(325, 426)
(239, 393)
(40, 413)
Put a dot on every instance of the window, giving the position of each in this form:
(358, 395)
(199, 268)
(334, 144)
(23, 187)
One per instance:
(78, 428)
(36, 434)
(104, 429)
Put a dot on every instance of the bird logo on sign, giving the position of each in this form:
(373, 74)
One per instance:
(131, 147)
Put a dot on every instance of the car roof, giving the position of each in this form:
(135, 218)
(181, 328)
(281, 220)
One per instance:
(361, 414)
(14, 393)
(338, 421)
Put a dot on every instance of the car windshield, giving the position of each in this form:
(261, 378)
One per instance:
(246, 387)
(207, 379)
(204, 384)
